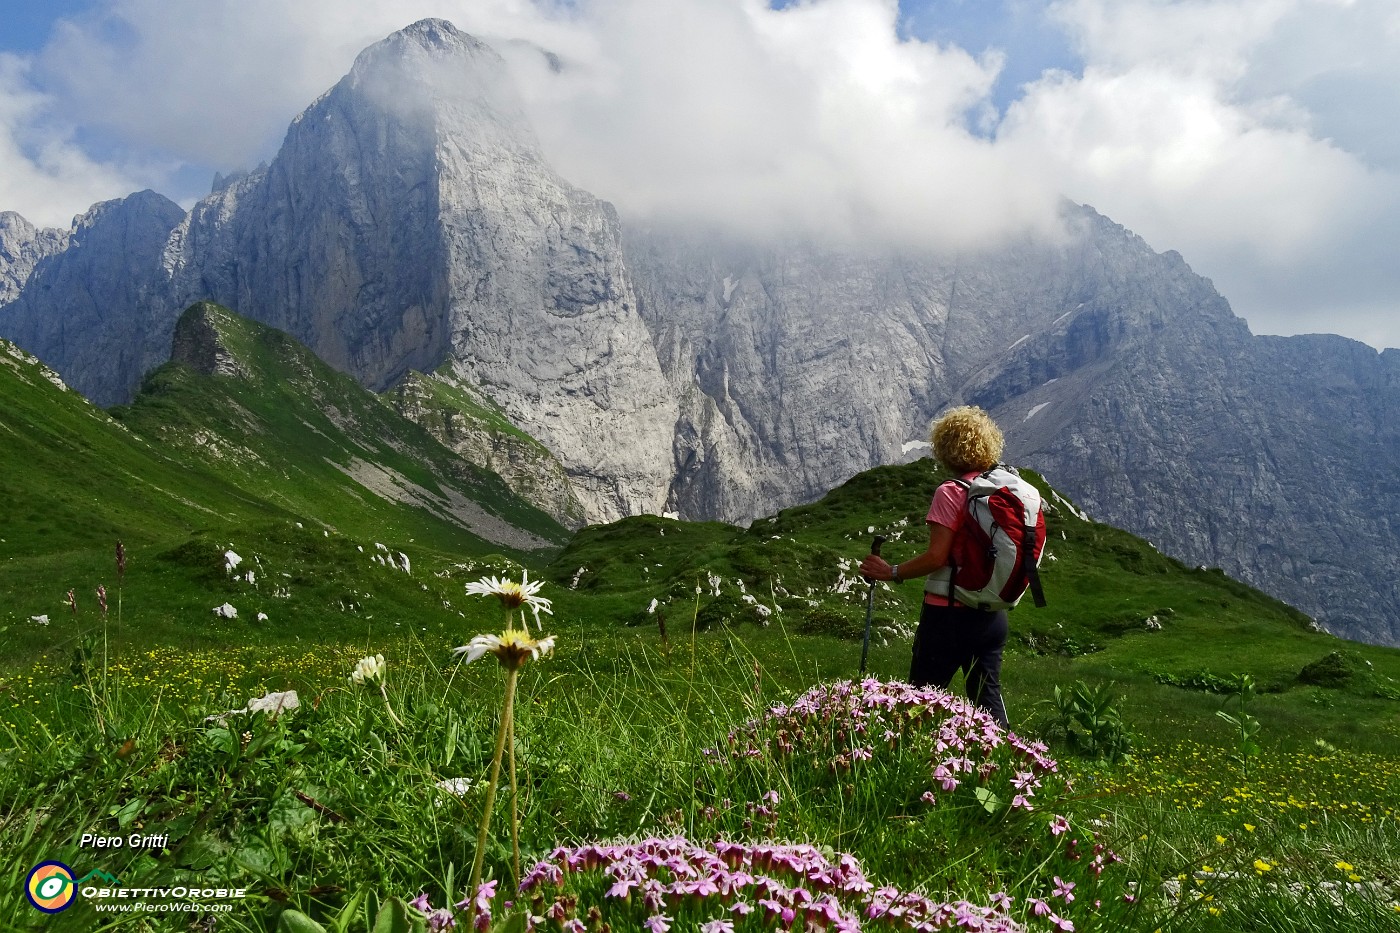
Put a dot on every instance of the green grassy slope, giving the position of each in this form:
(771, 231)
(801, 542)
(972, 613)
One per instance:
(319, 487)
(299, 433)
(800, 569)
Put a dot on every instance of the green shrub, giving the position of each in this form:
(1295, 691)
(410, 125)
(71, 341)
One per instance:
(1336, 669)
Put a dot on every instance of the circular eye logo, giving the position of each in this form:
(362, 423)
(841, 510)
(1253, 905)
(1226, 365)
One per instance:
(50, 886)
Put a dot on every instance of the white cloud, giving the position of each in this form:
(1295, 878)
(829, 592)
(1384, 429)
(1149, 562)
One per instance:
(1260, 138)
(1187, 126)
(816, 117)
(47, 177)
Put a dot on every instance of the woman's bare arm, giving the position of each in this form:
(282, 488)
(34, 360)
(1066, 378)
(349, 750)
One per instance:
(940, 539)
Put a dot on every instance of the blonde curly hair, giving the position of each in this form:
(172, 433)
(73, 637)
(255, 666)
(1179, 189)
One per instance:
(966, 439)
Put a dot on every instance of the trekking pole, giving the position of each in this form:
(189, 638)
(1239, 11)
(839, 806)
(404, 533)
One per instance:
(869, 606)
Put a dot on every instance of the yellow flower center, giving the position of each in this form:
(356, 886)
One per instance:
(511, 594)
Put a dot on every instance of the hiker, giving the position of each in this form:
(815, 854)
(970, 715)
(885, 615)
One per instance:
(967, 443)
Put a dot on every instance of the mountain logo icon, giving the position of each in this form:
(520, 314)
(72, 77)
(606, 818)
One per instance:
(99, 875)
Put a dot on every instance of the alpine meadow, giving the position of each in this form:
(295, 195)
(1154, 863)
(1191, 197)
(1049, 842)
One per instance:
(399, 541)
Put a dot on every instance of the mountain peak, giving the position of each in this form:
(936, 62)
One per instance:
(434, 76)
(434, 33)
(438, 38)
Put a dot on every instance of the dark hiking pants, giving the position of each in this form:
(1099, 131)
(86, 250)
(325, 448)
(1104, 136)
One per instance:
(953, 638)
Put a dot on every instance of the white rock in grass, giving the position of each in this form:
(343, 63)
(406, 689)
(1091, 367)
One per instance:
(42, 620)
(458, 786)
(262, 616)
(403, 562)
(231, 560)
(227, 611)
(274, 703)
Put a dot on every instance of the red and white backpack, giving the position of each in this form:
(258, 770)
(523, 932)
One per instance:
(996, 549)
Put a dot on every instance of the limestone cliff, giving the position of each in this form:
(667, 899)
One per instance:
(22, 247)
(95, 311)
(410, 220)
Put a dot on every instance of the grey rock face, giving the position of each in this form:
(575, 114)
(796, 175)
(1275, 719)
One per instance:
(1268, 457)
(1116, 371)
(1271, 458)
(94, 311)
(22, 247)
(410, 219)
(798, 366)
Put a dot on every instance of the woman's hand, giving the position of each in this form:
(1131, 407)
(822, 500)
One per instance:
(940, 541)
(875, 567)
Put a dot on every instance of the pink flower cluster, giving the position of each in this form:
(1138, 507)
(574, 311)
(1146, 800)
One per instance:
(444, 919)
(789, 887)
(848, 721)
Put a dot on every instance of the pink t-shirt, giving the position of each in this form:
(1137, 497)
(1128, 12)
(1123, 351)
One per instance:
(949, 503)
(947, 509)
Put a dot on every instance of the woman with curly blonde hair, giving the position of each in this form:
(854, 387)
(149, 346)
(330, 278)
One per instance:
(951, 636)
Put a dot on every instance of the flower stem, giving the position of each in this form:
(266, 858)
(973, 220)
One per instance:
(504, 729)
(514, 808)
(384, 692)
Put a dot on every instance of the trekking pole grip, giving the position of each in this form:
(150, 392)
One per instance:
(875, 549)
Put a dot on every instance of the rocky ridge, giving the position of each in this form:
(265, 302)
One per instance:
(22, 247)
(478, 432)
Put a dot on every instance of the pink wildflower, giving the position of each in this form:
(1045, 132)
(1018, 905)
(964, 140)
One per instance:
(441, 919)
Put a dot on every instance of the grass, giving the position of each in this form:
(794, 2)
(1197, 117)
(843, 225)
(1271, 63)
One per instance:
(331, 808)
(672, 636)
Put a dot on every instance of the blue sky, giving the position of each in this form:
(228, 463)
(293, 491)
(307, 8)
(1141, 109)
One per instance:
(1023, 31)
(1259, 138)
(28, 22)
